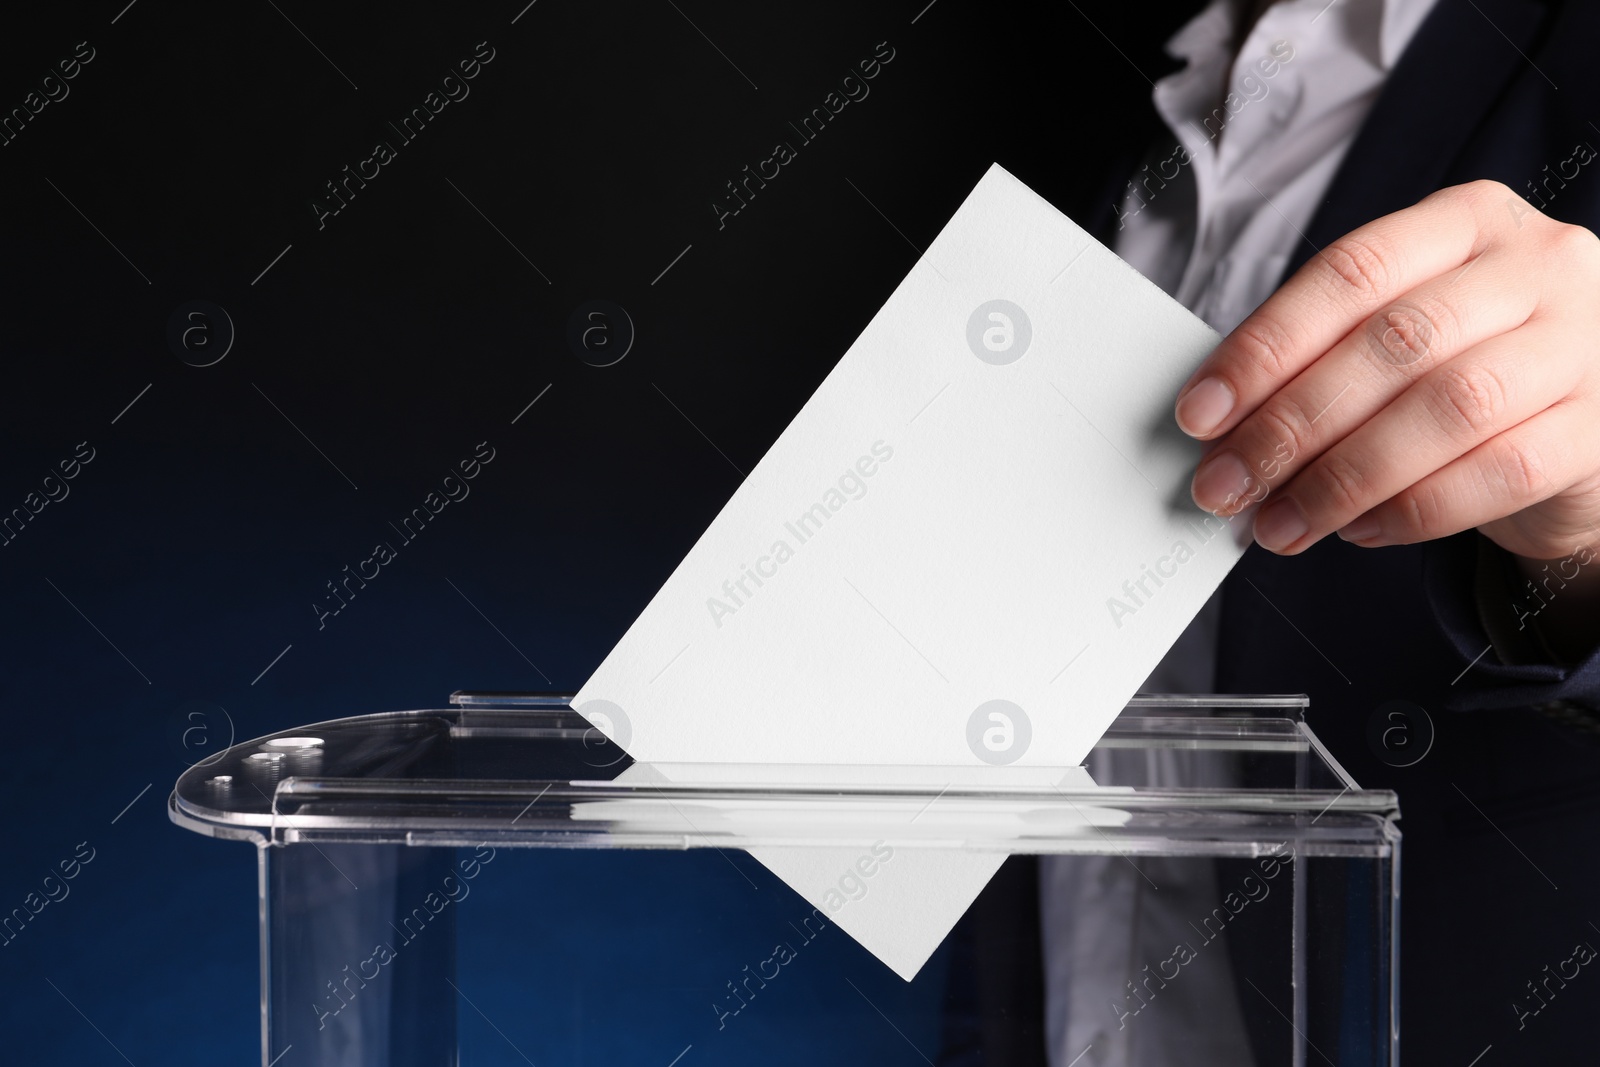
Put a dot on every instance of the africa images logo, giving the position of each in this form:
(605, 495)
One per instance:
(852, 485)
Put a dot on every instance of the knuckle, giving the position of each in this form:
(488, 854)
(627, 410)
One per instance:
(1575, 245)
(1285, 423)
(1406, 333)
(1482, 191)
(1341, 486)
(1265, 346)
(1363, 265)
(1483, 200)
(1418, 512)
(1519, 469)
(1468, 400)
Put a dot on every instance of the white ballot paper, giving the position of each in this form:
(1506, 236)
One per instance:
(968, 550)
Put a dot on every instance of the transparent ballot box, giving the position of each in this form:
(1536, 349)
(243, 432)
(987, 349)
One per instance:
(473, 884)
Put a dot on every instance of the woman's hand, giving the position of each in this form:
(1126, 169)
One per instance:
(1431, 372)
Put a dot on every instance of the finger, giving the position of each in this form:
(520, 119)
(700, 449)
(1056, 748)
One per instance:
(1529, 463)
(1365, 372)
(1328, 297)
(1446, 414)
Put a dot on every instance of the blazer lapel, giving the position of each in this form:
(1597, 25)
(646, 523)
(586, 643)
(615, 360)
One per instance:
(1461, 61)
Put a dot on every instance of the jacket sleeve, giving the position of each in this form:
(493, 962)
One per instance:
(1491, 625)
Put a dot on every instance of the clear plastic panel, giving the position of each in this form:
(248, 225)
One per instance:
(616, 922)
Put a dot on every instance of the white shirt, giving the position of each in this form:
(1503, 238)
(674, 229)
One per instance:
(1261, 157)
(1213, 217)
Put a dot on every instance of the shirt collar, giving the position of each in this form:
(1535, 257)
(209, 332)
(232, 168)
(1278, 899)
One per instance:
(1401, 20)
(1206, 33)
(1211, 31)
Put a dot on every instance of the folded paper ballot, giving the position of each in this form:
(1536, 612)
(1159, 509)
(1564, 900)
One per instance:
(968, 549)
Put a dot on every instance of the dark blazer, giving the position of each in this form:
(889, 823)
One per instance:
(1502, 818)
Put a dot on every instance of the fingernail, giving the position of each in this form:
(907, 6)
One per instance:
(1221, 478)
(1280, 525)
(1361, 529)
(1203, 408)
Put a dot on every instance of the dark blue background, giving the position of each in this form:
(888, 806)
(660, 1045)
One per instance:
(191, 549)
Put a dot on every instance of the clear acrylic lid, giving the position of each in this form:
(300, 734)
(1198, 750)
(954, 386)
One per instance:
(1175, 775)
